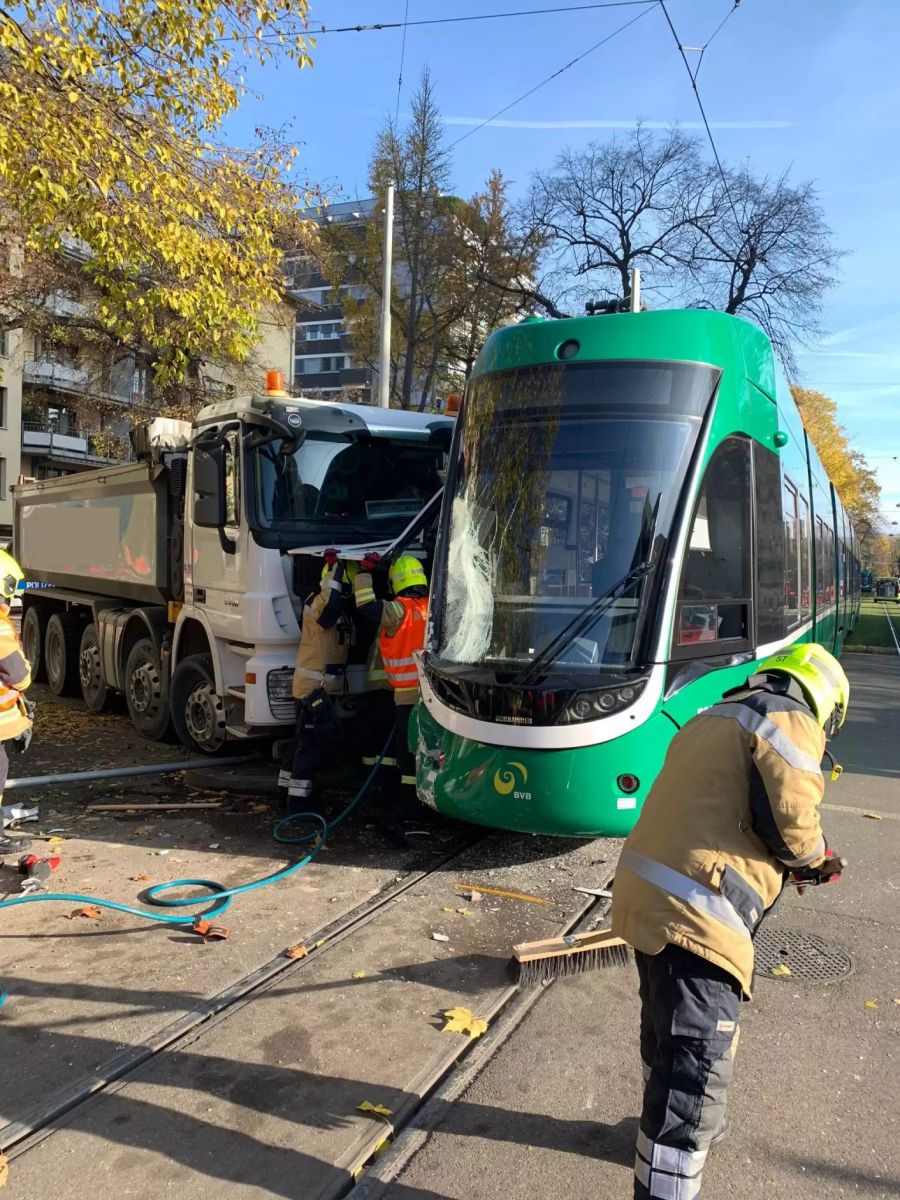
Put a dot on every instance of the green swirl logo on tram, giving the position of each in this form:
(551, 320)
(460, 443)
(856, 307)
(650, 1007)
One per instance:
(505, 778)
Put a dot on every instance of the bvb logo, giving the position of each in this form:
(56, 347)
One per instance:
(505, 779)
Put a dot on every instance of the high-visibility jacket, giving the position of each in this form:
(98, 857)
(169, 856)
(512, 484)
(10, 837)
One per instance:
(325, 637)
(398, 649)
(733, 811)
(15, 677)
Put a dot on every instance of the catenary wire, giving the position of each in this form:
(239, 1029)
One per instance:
(402, 57)
(693, 78)
(497, 16)
(537, 87)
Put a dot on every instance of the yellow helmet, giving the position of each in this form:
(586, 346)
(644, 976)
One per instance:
(406, 572)
(822, 678)
(11, 575)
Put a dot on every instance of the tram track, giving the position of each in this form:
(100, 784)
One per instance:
(16, 1137)
(892, 629)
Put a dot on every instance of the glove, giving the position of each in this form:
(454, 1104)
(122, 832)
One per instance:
(331, 556)
(827, 872)
(371, 561)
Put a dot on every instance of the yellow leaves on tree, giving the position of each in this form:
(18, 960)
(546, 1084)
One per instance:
(108, 120)
(853, 478)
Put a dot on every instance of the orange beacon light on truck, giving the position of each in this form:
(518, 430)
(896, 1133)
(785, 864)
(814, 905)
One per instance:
(275, 384)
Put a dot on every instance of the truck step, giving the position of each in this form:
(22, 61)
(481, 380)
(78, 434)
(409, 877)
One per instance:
(239, 691)
(241, 730)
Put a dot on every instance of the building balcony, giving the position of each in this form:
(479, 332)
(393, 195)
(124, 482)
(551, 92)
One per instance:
(59, 376)
(64, 306)
(73, 449)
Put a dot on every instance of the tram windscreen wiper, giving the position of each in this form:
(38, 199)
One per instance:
(584, 620)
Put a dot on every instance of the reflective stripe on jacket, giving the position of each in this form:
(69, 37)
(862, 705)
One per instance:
(733, 810)
(398, 649)
(15, 677)
(324, 641)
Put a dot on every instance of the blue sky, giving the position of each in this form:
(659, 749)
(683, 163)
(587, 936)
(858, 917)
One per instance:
(809, 85)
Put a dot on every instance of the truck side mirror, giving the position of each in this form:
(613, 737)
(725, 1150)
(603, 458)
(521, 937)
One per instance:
(209, 487)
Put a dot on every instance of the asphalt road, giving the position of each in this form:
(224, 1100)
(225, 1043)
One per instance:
(815, 1104)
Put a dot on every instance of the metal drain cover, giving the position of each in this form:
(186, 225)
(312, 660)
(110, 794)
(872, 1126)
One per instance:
(810, 959)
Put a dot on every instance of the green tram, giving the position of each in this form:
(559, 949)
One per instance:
(633, 517)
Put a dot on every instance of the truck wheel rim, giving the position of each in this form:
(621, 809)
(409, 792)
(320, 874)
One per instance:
(54, 656)
(145, 690)
(205, 717)
(89, 668)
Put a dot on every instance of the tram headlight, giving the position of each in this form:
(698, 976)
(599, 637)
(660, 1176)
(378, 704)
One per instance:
(602, 702)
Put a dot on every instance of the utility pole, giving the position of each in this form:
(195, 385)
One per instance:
(635, 290)
(384, 361)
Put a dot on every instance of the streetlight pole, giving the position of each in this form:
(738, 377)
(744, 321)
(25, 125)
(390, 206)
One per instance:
(384, 360)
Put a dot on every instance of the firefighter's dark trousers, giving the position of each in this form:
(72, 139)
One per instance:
(689, 1026)
(300, 759)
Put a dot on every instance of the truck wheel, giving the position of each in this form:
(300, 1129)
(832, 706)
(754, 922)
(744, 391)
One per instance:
(61, 645)
(90, 671)
(145, 692)
(198, 712)
(34, 630)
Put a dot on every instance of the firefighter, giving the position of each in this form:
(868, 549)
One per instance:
(733, 814)
(15, 678)
(319, 674)
(401, 632)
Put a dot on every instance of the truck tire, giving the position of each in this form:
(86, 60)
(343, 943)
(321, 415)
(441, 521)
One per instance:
(145, 691)
(94, 690)
(62, 643)
(34, 630)
(198, 712)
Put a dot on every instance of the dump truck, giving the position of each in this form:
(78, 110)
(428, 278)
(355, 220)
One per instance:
(178, 580)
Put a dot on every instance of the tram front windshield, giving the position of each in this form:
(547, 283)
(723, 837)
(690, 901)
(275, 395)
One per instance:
(565, 474)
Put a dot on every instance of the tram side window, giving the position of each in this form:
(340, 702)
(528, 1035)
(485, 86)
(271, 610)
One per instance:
(714, 599)
(791, 555)
(769, 546)
(821, 566)
(806, 586)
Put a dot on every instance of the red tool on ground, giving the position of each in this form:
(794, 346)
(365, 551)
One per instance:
(36, 871)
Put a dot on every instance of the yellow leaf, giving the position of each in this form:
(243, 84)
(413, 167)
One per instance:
(460, 1020)
(871, 1003)
(377, 1110)
(358, 975)
(73, 97)
(781, 969)
(874, 816)
(4, 1170)
(464, 912)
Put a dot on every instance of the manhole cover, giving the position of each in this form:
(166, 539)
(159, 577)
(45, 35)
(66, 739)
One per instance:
(809, 958)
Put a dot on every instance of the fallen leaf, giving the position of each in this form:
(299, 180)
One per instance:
(91, 911)
(464, 912)
(358, 975)
(140, 878)
(298, 951)
(874, 816)
(871, 1003)
(142, 832)
(320, 942)
(449, 910)
(439, 937)
(54, 841)
(896, 1000)
(377, 1110)
(781, 969)
(4, 1170)
(381, 1148)
(460, 1020)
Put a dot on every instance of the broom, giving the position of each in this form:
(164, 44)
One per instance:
(540, 963)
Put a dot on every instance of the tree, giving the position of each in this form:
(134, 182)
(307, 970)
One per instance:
(763, 250)
(108, 120)
(624, 204)
(854, 480)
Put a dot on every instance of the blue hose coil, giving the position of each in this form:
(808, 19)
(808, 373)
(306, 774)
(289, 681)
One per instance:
(219, 898)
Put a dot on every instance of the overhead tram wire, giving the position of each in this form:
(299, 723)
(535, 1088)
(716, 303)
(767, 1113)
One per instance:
(402, 57)
(377, 27)
(651, 4)
(692, 75)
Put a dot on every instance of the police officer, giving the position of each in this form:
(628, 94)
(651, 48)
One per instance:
(733, 813)
(401, 632)
(319, 673)
(15, 678)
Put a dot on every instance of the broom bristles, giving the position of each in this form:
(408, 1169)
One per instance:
(540, 971)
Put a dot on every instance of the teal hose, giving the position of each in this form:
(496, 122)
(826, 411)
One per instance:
(219, 898)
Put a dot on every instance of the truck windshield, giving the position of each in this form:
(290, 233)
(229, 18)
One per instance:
(564, 474)
(335, 487)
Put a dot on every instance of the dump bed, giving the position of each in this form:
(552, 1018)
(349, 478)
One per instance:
(105, 532)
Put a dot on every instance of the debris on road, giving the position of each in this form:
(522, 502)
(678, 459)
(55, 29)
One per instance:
(298, 951)
(90, 911)
(461, 1020)
(490, 891)
(440, 937)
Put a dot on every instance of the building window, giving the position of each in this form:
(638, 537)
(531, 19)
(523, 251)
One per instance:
(714, 600)
(2, 478)
(4, 401)
(4, 343)
(320, 331)
(320, 366)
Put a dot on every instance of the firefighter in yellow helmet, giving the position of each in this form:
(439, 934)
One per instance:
(326, 633)
(732, 816)
(400, 622)
(15, 678)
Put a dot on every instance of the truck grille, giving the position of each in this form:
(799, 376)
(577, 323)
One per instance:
(278, 690)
